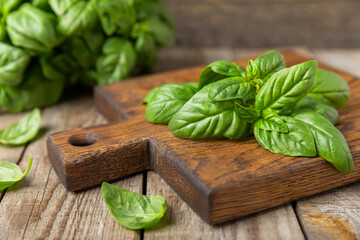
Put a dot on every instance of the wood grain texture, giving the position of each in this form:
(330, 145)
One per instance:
(261, 23)
(39, 207)
(249, 178)
(180, 222)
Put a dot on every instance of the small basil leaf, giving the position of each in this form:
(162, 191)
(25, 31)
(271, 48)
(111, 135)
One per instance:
(286, 88)
(79, 17)
(116, 16)
(33, 29)
(118, 59)
(310, 104)
(162, 33)
(272, 122)
(249, 114)
(330, 143)
(227, 68)
(147, 51)
(13, 62)
(202, 117)
(330, 88)
(232, 88)
(132, 210)
(10, 173)
(219, 70)
(265, 65)
(298, 141)
(166, 101)
(61, 6)
(23, 131)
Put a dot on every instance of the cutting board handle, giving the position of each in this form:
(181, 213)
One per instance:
(86, 157)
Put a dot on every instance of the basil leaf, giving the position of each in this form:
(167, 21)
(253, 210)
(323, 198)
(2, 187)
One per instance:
(330, 143)
(116, 16)
(146, 48)
(232, 88)
(151, 9)
(61, 6)
(13, 62)
(79, 17)
(286, 88)
(10, 173)
(298, 141)
(202, 117)
(117, 60)
(219, 70)
(132, 210)
(166, 101)
(23, 131)
(33, 29)
(265, 65)
(8, 6)
(330, 88)
(272, 122)
(150, 95)
(310, 104)
(249, 114)
(34, 91)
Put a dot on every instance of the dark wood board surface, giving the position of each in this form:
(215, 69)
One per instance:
(221, 180)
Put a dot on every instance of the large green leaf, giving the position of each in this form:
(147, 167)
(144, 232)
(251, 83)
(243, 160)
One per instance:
(202, 117)
(33, 29)
(298, 141)
(310, 104)
(330, 88)
(330, 143)
(286, 88)
(166, 101)
(132, 210)
(13, 62)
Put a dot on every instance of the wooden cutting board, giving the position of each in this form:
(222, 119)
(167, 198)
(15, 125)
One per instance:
(221, 180)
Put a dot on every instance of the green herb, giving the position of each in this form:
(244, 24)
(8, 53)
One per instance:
(132, 210)
(48, 45)
(10, 173)
(22, 131)
(292, 109)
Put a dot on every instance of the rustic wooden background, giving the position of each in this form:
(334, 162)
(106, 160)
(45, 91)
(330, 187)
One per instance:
(266, 23)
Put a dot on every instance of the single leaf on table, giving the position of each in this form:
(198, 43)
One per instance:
(232, 88)
(13, 62)
(265, 65)
(219, 70)
(330, 143)
(132, 210)
(286, 88)
(10, 173)
(330, 88)
(166, 101)
(202, 117)
(298, 141)
(23, 131)
(310, 104)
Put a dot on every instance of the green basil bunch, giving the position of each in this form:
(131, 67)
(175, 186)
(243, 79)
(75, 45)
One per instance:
(292, 110)
(46, 45)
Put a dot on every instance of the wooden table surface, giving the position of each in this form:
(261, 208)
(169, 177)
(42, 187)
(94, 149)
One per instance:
(39, 207)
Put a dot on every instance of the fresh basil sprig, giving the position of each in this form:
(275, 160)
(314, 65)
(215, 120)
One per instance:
(10, 173)
(132, 210)
(292, 109)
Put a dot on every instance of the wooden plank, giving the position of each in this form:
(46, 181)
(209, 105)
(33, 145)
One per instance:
(39, 207)
(262, 23)
(180, 222)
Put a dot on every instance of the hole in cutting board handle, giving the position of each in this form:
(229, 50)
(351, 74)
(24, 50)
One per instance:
(84, 139)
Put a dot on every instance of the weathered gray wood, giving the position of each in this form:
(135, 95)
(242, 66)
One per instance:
(180, 222)
(39, 207)
(263, 23)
